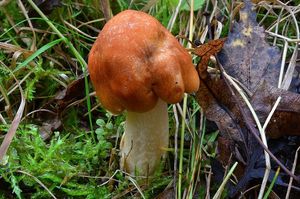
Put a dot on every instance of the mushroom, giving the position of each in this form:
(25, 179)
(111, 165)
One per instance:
(137, 65)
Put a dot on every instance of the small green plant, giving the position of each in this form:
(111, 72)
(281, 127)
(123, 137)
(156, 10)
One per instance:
(59, 165)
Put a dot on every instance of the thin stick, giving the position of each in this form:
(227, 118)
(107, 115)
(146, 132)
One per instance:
(2, 119)
(282, 37)
(38, 181)
(287, 196)
(255, 133)
(133, 181)
(174, 16)
(22, 7)
(78, 30)
(176, 148)
(4, 3)
(261, 132)
(181, 146)
(184, 108)
(282, 63)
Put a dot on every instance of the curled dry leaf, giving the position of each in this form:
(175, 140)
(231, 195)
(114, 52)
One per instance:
(248, 58)
(205, 51)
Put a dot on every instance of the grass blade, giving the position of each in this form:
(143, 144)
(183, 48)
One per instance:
(38, 52)
(222, 186)
(272, 184)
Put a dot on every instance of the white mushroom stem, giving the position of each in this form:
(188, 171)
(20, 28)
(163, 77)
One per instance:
(145, 140)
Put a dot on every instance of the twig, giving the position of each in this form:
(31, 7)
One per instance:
(184, 107)
(136, 186)
(38, 181)
(2, 119)
(174, 16)
(176, 149)
(77, 29)
(283, 37)
(38, 110)
(208, 180)
(261, 132)
(33, 40)
(113, 175)
(255, 132)
(287, 196)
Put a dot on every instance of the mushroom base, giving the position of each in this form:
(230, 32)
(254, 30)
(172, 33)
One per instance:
(145, 140)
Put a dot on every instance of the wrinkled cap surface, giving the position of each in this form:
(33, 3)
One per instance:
(135, 61)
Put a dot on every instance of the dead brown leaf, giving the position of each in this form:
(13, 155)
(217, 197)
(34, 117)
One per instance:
(246, 55)
(13, 127)
(248, 58)
(205, 51)
(285, 120)
(51, 120)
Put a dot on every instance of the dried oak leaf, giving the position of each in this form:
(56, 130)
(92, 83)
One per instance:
(246, 55)
(248, 58)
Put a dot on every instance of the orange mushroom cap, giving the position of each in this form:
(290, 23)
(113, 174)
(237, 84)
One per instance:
(135, 61)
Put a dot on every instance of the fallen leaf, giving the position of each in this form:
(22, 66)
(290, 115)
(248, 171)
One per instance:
(246, 55)
(216, 101)
(295, 84)
(285, 120)
(51, 120)
(205, 51)
(74, 91)
(248, 58)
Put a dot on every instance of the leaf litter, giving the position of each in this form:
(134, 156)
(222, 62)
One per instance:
(255, 66)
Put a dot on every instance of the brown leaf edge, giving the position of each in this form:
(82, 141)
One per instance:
(14, 126)
(254, 131)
